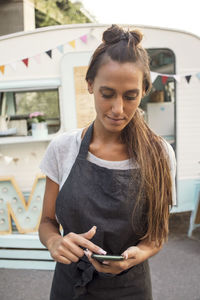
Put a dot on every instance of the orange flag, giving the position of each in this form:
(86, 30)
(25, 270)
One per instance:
(2, 69)
(73, 44)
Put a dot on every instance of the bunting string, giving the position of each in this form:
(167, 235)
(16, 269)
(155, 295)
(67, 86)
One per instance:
(84, 40)
(177, 77)
(37, 57)
(10, 159)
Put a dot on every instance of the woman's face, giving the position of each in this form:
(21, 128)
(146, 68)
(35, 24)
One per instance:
(117, 89)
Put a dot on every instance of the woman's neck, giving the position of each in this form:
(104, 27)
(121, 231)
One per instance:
(107, 145)
(101, 135)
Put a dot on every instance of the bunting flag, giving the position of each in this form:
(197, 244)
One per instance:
(153, 76)
(72, 43)
(198, 75)
(2, 69)
(164, 79)
(61, 48)
(49, 53)
(37, 58)
(188, 77)
(177, 77)
(13, 66)
(84, 38)
(8, 159)
(25, 61)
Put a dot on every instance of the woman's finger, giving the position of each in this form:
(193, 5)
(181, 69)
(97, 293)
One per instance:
(131, 252)
(74, 248)
(64, 260)
(79, 240)
(69, 255)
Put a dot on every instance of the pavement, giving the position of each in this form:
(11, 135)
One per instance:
(175, 270)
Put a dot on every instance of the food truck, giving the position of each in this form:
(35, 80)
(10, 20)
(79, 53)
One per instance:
(43, 93)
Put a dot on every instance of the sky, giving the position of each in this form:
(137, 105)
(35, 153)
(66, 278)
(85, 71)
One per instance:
(176, 14)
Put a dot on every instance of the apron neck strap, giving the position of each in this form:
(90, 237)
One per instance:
(83, 152)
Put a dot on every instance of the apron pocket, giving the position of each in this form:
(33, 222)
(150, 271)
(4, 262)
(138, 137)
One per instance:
(124, 279)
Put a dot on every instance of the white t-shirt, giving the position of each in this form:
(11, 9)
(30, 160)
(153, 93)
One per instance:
(62, 151)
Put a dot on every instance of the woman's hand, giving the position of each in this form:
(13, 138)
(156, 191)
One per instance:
(68, 249)
(132, 256)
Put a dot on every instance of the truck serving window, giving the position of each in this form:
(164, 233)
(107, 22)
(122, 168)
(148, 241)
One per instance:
(159, 105)
(19, 105)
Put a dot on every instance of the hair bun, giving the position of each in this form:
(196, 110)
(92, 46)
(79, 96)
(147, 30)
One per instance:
(112, 34)
(115, 33)
(137, 36)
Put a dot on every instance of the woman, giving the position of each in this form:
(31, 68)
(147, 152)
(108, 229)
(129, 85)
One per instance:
(108, 185)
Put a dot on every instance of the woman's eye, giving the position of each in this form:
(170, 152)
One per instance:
(106, 96)
(130, 97)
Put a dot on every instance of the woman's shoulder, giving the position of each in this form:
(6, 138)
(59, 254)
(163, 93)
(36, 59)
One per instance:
(67, 139)
(170, 152)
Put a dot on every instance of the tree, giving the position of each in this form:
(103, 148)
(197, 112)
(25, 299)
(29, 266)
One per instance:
(55, 12)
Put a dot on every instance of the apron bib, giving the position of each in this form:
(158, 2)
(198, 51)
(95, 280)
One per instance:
(94, 195)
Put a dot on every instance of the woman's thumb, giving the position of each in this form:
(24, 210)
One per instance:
(90, 233)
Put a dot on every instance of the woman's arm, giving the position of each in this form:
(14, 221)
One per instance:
(147, 249)
(68, 248)
(49, 228)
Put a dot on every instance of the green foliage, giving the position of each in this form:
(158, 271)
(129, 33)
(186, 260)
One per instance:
(43, 101)
(43, 20)
(60, 12)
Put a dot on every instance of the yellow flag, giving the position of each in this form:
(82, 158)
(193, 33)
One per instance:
(2, 69)
(73, 44)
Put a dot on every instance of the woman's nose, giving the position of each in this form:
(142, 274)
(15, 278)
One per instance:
(118, 106)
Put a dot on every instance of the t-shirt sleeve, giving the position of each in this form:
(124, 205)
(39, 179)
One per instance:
(49, 163)
(172, 164)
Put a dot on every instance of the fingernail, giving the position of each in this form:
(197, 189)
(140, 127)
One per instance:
(101, 251)
(105, 262)
(86, 252)
(125, 255)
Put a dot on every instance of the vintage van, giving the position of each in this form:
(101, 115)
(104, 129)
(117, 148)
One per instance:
(43, 71)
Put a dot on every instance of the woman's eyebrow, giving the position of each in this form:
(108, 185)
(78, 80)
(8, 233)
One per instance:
(106, 88)
(133, 91)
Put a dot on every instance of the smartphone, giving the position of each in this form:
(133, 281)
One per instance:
(107, 257)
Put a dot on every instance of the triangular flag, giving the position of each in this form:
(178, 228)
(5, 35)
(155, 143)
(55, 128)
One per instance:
(188, 77)
(13, 65)
(73, 44)
(49, 53)
(37, 58)
(8, 159)
(198, 75)
(164, 79)
(25, 61)
(153, 76)
(61, 48)
(177, 77)
(2, 69)
(84, 38)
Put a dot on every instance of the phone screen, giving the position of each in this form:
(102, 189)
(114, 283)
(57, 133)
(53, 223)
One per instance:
(107, 257)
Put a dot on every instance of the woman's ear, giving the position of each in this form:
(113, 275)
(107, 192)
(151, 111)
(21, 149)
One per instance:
(90, 86)
(143, 93)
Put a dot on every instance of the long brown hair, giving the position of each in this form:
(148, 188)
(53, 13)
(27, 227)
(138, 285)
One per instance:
(143, 144)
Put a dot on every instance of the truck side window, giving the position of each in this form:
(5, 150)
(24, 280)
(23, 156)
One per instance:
(19, 104)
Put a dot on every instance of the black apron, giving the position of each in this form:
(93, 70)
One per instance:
(94, 195)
